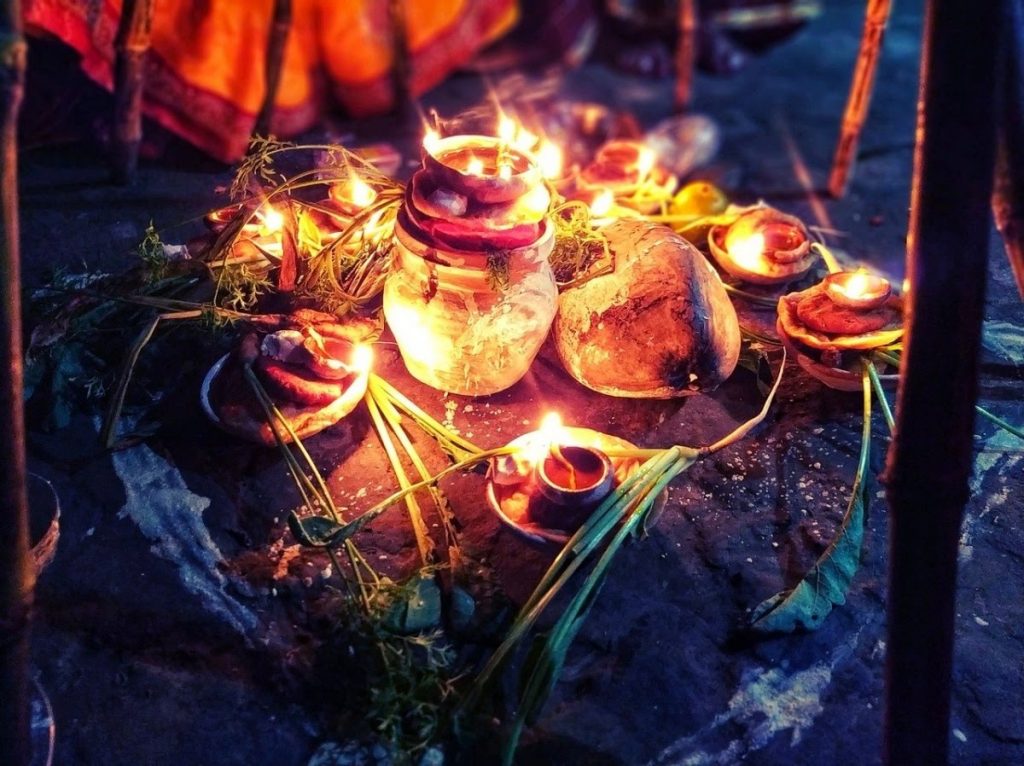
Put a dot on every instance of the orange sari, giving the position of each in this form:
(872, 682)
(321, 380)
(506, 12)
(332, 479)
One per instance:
(205, 69)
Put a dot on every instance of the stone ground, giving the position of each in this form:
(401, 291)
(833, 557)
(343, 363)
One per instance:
(178, 624)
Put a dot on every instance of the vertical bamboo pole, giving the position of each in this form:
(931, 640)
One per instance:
(1008, 193)
(401, 68)
(16, 572)
(280, 26)
(131, 45)
(930, 459)
(875, 21)
(686, 54)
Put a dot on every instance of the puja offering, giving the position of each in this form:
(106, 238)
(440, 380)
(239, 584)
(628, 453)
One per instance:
(555, 478)
(659, 325)
(829, 326)
(314, 370)
(471, 296)
(763, 246)
(631, 171)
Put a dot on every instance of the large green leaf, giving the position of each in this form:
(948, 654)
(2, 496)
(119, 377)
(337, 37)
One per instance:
(810, 602)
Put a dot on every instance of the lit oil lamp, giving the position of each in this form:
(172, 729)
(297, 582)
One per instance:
(857, 289)
(763, 246)
(353, 194)
(630, 170)
(574, 479)
(485, 167)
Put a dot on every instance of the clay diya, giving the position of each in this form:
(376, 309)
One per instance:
(314, 369)
(830, 326)
(763, 246)
(555, 479)
(630, 170)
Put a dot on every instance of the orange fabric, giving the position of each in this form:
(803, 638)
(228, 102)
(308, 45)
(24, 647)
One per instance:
(205, 70)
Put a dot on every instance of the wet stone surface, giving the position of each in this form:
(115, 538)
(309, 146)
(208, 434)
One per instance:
(180, 623)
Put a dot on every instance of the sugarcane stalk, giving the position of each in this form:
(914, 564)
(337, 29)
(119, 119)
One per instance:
(131, 45)
(401, 66)
(1008, 191)
(875, 21)
(280, 26)
(17, 575)
(931, 454)
(686, 54)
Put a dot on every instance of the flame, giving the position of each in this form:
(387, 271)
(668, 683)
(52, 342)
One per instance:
(549, 158)
(507, 128)
(362, 358)
(524, 140)
(430, 140)
(747, 251)
(361, 193)
(505, 171)
(273, 221)
(537, 200)
(645, 161)
(856, 286)
(550, 433)
(602, 204)
(551, 426)
(475, 167)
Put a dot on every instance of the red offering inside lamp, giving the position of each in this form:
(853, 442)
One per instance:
(857, 289)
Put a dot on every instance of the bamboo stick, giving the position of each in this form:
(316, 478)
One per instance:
(401, 68)
(1008, 191)
(131, 45)
(280, 26)
(16, 571)
(686, 54)
(875, 21)
(931, 455)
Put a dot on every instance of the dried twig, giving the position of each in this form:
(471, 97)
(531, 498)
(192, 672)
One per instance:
(860, 95)
(132, 43)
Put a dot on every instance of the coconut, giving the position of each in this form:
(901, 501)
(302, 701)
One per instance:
(660, 325)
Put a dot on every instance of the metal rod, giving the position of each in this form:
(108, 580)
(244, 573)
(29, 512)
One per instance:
(17, 574)
(930, 459)
(131, 45)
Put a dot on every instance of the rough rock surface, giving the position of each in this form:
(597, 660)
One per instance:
(179, 623)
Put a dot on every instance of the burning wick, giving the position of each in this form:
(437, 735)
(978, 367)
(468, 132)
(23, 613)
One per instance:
(362, 358)
(361, 193)
(430, 140)
(602, 203)
(549, 158)
(505, 171)
(475, 167)
(857, 289)
(273, 221)
(506, 129)
(571, 475)
(747, 250)
(645, 162)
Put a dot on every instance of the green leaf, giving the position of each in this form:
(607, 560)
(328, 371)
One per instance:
(315, 531)
(810, 602)
(417, 606)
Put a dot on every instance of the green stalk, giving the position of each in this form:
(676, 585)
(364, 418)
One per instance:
(1000, 422)
(876, 383)
(419, 528)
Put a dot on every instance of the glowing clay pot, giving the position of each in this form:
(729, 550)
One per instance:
(457, 329)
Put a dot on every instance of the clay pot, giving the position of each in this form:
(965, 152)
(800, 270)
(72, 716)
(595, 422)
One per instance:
(448, 160)
(659, 326)
(457, 330)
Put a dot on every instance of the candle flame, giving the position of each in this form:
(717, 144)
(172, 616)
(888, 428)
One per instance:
(362, 358)
(361, 193)
(430, 140)
(475, 167)
(273, 221)
(549, 158)
(602, 204)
